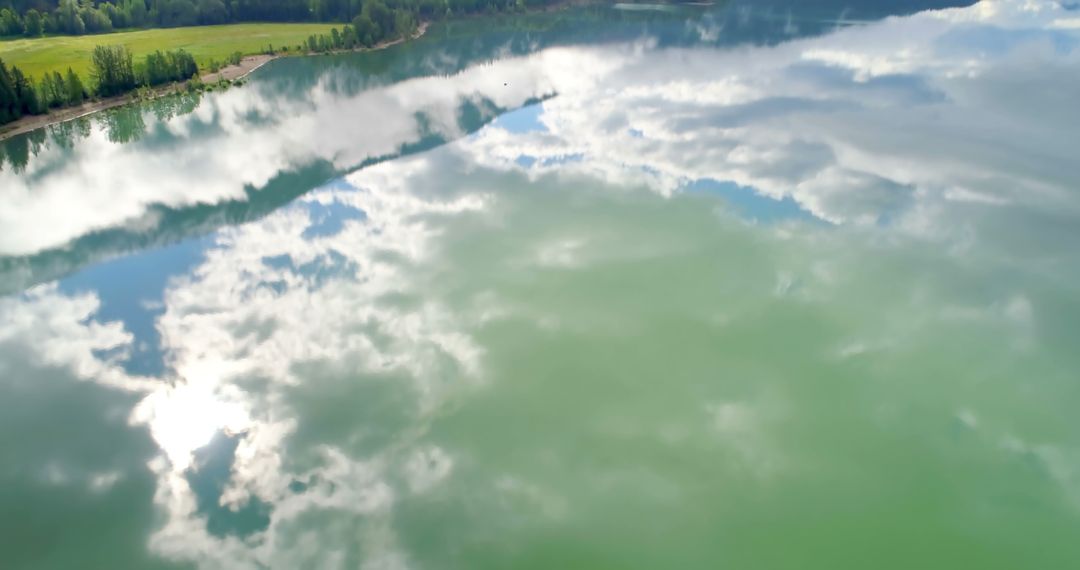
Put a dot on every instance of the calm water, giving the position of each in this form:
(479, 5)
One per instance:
(760, 285)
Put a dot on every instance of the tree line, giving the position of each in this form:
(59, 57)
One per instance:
(375, 23)
(21, 96)
(33, 18)
(17, 96)
(112, 70)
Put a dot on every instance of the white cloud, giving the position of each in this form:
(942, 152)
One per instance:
(57, 330)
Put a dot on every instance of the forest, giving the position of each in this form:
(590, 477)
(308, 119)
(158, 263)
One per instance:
(33, 18)
(114, 72)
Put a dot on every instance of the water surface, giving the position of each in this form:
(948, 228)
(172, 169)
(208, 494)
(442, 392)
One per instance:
(756, 285)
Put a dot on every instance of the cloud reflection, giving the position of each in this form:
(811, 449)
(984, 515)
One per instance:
(315, 358)
(884, 123)
(61, 194)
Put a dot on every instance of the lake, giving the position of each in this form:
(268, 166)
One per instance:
(751, 285)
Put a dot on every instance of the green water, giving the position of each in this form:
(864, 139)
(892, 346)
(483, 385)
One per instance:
(754, 286)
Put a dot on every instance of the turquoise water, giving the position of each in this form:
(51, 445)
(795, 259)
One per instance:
(748, 286)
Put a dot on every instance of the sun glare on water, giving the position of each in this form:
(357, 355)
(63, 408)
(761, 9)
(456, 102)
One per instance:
(184, 417)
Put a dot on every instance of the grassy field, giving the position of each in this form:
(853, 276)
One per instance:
(204, 42)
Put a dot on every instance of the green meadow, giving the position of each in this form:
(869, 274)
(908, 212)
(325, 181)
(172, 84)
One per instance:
(57, 53)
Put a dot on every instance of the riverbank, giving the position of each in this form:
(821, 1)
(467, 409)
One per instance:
(207, 44)
(229, 73)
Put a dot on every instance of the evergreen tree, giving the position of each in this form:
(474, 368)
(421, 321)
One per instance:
(139, 15)
(367, 32)
(95, 20)
(25, 95)
(9, 103)
(52, 92)
(212, 12)
(10, 23)
(76, 93)
(32, 24)
(348, 37)
(66, 15)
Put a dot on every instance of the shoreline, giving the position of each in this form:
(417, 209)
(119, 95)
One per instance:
(248, 64)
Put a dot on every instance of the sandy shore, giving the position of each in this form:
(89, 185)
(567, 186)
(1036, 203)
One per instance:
(232, 72)
(27, 124)
(229, 73)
